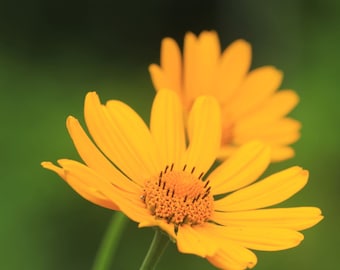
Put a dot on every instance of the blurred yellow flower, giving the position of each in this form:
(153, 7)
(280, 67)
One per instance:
(251, 107)
(156, 178)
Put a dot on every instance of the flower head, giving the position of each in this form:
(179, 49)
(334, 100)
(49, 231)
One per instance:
(251, 106)
(158, 179)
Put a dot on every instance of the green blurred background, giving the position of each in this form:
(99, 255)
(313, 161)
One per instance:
(53, 52)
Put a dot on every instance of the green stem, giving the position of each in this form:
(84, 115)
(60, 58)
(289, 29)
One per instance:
(109, 244)
(158, 245)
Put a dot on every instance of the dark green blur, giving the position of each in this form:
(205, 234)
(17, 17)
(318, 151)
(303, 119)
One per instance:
(53, 52)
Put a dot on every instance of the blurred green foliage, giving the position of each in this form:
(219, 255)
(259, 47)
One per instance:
(52, 53)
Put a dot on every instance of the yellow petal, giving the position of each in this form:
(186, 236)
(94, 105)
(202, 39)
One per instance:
(167, 127)
(133, 136)
(162, 224)
(226, 151)
(194, 240)
(266, 239)
(234, 65)
(190, 63)
(158, 77)
(270, 191)
(204, 128)
(86, 190)
(280, 153)
(257, 87)
(208, 54)
(130, 204)
(233, 257)
(95, 159)
(283, 131)
(276, 107)
(230, 254)
(123, 137)
(242, 168)
(295, 218)
(171, 64)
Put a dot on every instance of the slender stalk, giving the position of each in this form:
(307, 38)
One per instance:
(109, 244)
(158, 245)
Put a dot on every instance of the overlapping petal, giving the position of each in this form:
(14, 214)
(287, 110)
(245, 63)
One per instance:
(95, 159)
(204, 129)
(79, 176)
(270, 191)
(196, 240)
(113, 128)
(243, 168)
(262, 238)
(294, 218)
(167, 127)
(84, 187)
(223, 252)
(233, 257)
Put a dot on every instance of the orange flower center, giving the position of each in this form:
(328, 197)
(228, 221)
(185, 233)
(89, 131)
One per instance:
(179, 197)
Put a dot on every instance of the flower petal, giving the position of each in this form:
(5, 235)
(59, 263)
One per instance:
(233, 257)
(122, 136)
(95, 159)
(234, 65)
(204, 129)
(158, 77)
(167, 127)
(280, 153)
(208, 54)
(259, 84)
(219, 250)
(295, 218)
(171, 63)
(169, 73)
(77, 174)
(87, 191)
(195, 240)
(190, 63)
(276, 107)
(162, 224)
(271, 190)
(241, 169)
(283, 131)
(133, 137)
(263, 238)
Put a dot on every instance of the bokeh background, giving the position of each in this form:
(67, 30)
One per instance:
(53, 52)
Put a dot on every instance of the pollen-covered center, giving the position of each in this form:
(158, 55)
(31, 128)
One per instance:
(179, 197)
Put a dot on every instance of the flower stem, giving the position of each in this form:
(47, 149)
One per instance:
(108, 246)
(158, 245)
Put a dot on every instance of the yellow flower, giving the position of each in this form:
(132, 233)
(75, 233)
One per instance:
(158, 179)
(251, 107)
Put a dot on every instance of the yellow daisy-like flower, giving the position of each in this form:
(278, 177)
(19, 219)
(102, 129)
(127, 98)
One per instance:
(158, 179)
(251, 107)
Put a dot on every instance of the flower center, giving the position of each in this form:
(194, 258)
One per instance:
(179, 197)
